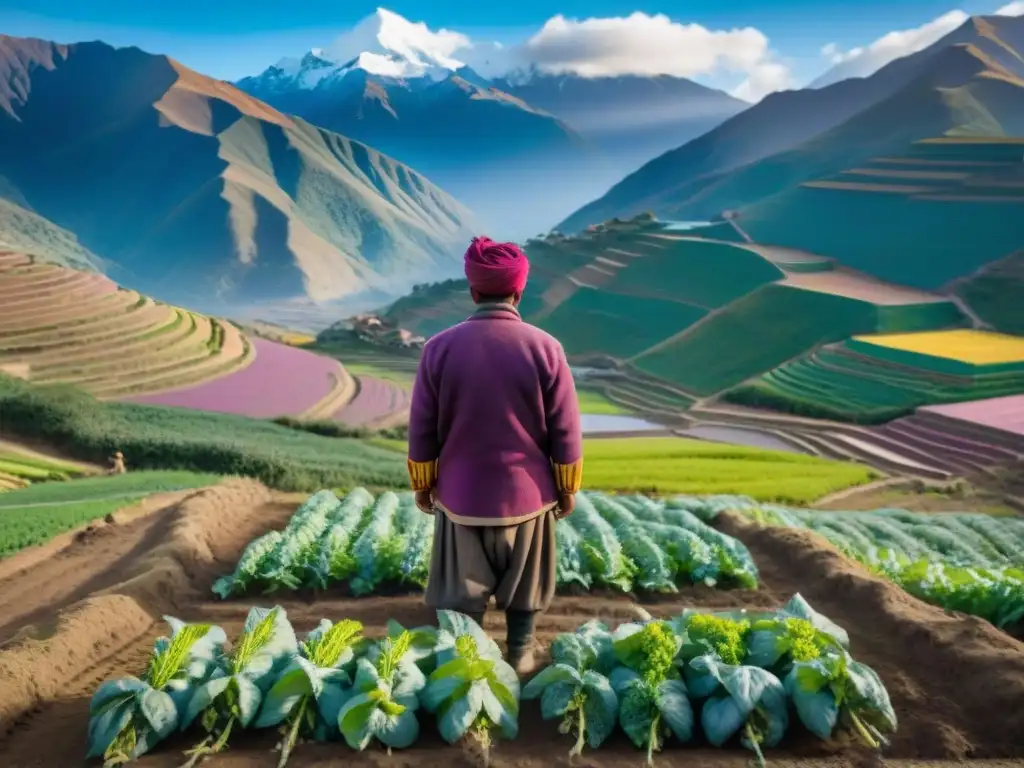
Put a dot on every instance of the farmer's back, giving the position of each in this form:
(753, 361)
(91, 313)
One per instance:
(498, 379)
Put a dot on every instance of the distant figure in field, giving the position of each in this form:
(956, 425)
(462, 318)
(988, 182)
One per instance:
(495, 447)
(117, 464)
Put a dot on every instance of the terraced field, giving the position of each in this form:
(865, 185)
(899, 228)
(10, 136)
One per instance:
(281, 381)
(698, 315)
(60, 326)
(867, 380)
(958, 199)
(79, 328)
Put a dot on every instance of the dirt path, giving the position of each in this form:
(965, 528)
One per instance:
(76, 565)
(957, 683)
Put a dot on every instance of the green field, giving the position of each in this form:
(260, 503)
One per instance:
(153, 437)
(705, 274)
(598, 322)
(598, 404)
(755, 334)
(836, 385)
(35, 515)
(664, 465)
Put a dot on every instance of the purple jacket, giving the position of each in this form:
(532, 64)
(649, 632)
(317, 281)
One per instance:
(495, 404)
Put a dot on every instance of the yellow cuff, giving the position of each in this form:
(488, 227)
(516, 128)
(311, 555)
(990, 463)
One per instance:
(422, 474)
(569, 477)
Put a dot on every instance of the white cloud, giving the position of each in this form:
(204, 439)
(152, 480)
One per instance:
(866, 60)
(640, 44)
(1013, 9)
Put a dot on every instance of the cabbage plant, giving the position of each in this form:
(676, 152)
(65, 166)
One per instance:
(307, 697)
(384, 698)
(834, 690)
(575, 687)
(128, 717)
(232, 696)
(748, 701)
(473, 691)
(652, 699)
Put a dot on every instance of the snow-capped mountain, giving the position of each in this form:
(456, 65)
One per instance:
(487, 129)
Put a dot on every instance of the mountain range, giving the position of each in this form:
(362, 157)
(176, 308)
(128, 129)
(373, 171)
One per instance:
(968, 82)
(188, 189)
(496, 141)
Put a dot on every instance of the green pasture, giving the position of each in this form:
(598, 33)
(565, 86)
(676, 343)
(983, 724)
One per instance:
(669, 465)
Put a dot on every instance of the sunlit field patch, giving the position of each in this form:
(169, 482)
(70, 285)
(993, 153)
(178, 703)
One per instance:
(964, 345)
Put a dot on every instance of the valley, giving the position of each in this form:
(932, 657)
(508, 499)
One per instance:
(793, 317)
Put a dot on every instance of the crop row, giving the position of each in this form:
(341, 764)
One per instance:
(965, 562)
(623, 542)
(729, 675)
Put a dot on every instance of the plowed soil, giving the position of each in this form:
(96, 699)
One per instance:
(78, 616)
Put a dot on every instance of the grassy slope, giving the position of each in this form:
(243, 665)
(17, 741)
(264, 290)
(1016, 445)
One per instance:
(677, 465)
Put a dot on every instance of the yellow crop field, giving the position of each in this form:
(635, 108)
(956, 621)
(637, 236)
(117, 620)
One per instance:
(966, 346)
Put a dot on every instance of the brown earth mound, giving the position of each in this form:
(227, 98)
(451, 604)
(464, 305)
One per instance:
(957, 683)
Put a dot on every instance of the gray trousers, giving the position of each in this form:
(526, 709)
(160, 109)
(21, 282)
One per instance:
(515, 563)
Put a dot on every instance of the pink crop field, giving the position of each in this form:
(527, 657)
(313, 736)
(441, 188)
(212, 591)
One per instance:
(281, 381)
(1005, 413)
(374, 400)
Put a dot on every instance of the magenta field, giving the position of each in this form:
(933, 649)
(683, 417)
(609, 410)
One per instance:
(281, 381)
(374, 400)
(1005, 413)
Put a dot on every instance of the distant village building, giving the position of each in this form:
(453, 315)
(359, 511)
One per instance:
(376, 330)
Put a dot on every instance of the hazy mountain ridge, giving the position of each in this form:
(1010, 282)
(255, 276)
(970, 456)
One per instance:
(496, 141)
(201, 194)
(676, 184)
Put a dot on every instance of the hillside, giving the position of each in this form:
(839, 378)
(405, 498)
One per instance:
(701, 315)
(24, 230)
(67, 327)
(967, 83)
(201, 195)
(937, 212)
(994, 293)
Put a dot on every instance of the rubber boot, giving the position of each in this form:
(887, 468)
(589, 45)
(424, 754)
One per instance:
(477, 616)
(520, 641)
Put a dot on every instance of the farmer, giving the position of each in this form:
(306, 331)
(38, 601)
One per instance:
(117, 464)
(495, 448)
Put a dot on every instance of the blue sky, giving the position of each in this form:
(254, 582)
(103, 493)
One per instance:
(233, 38)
